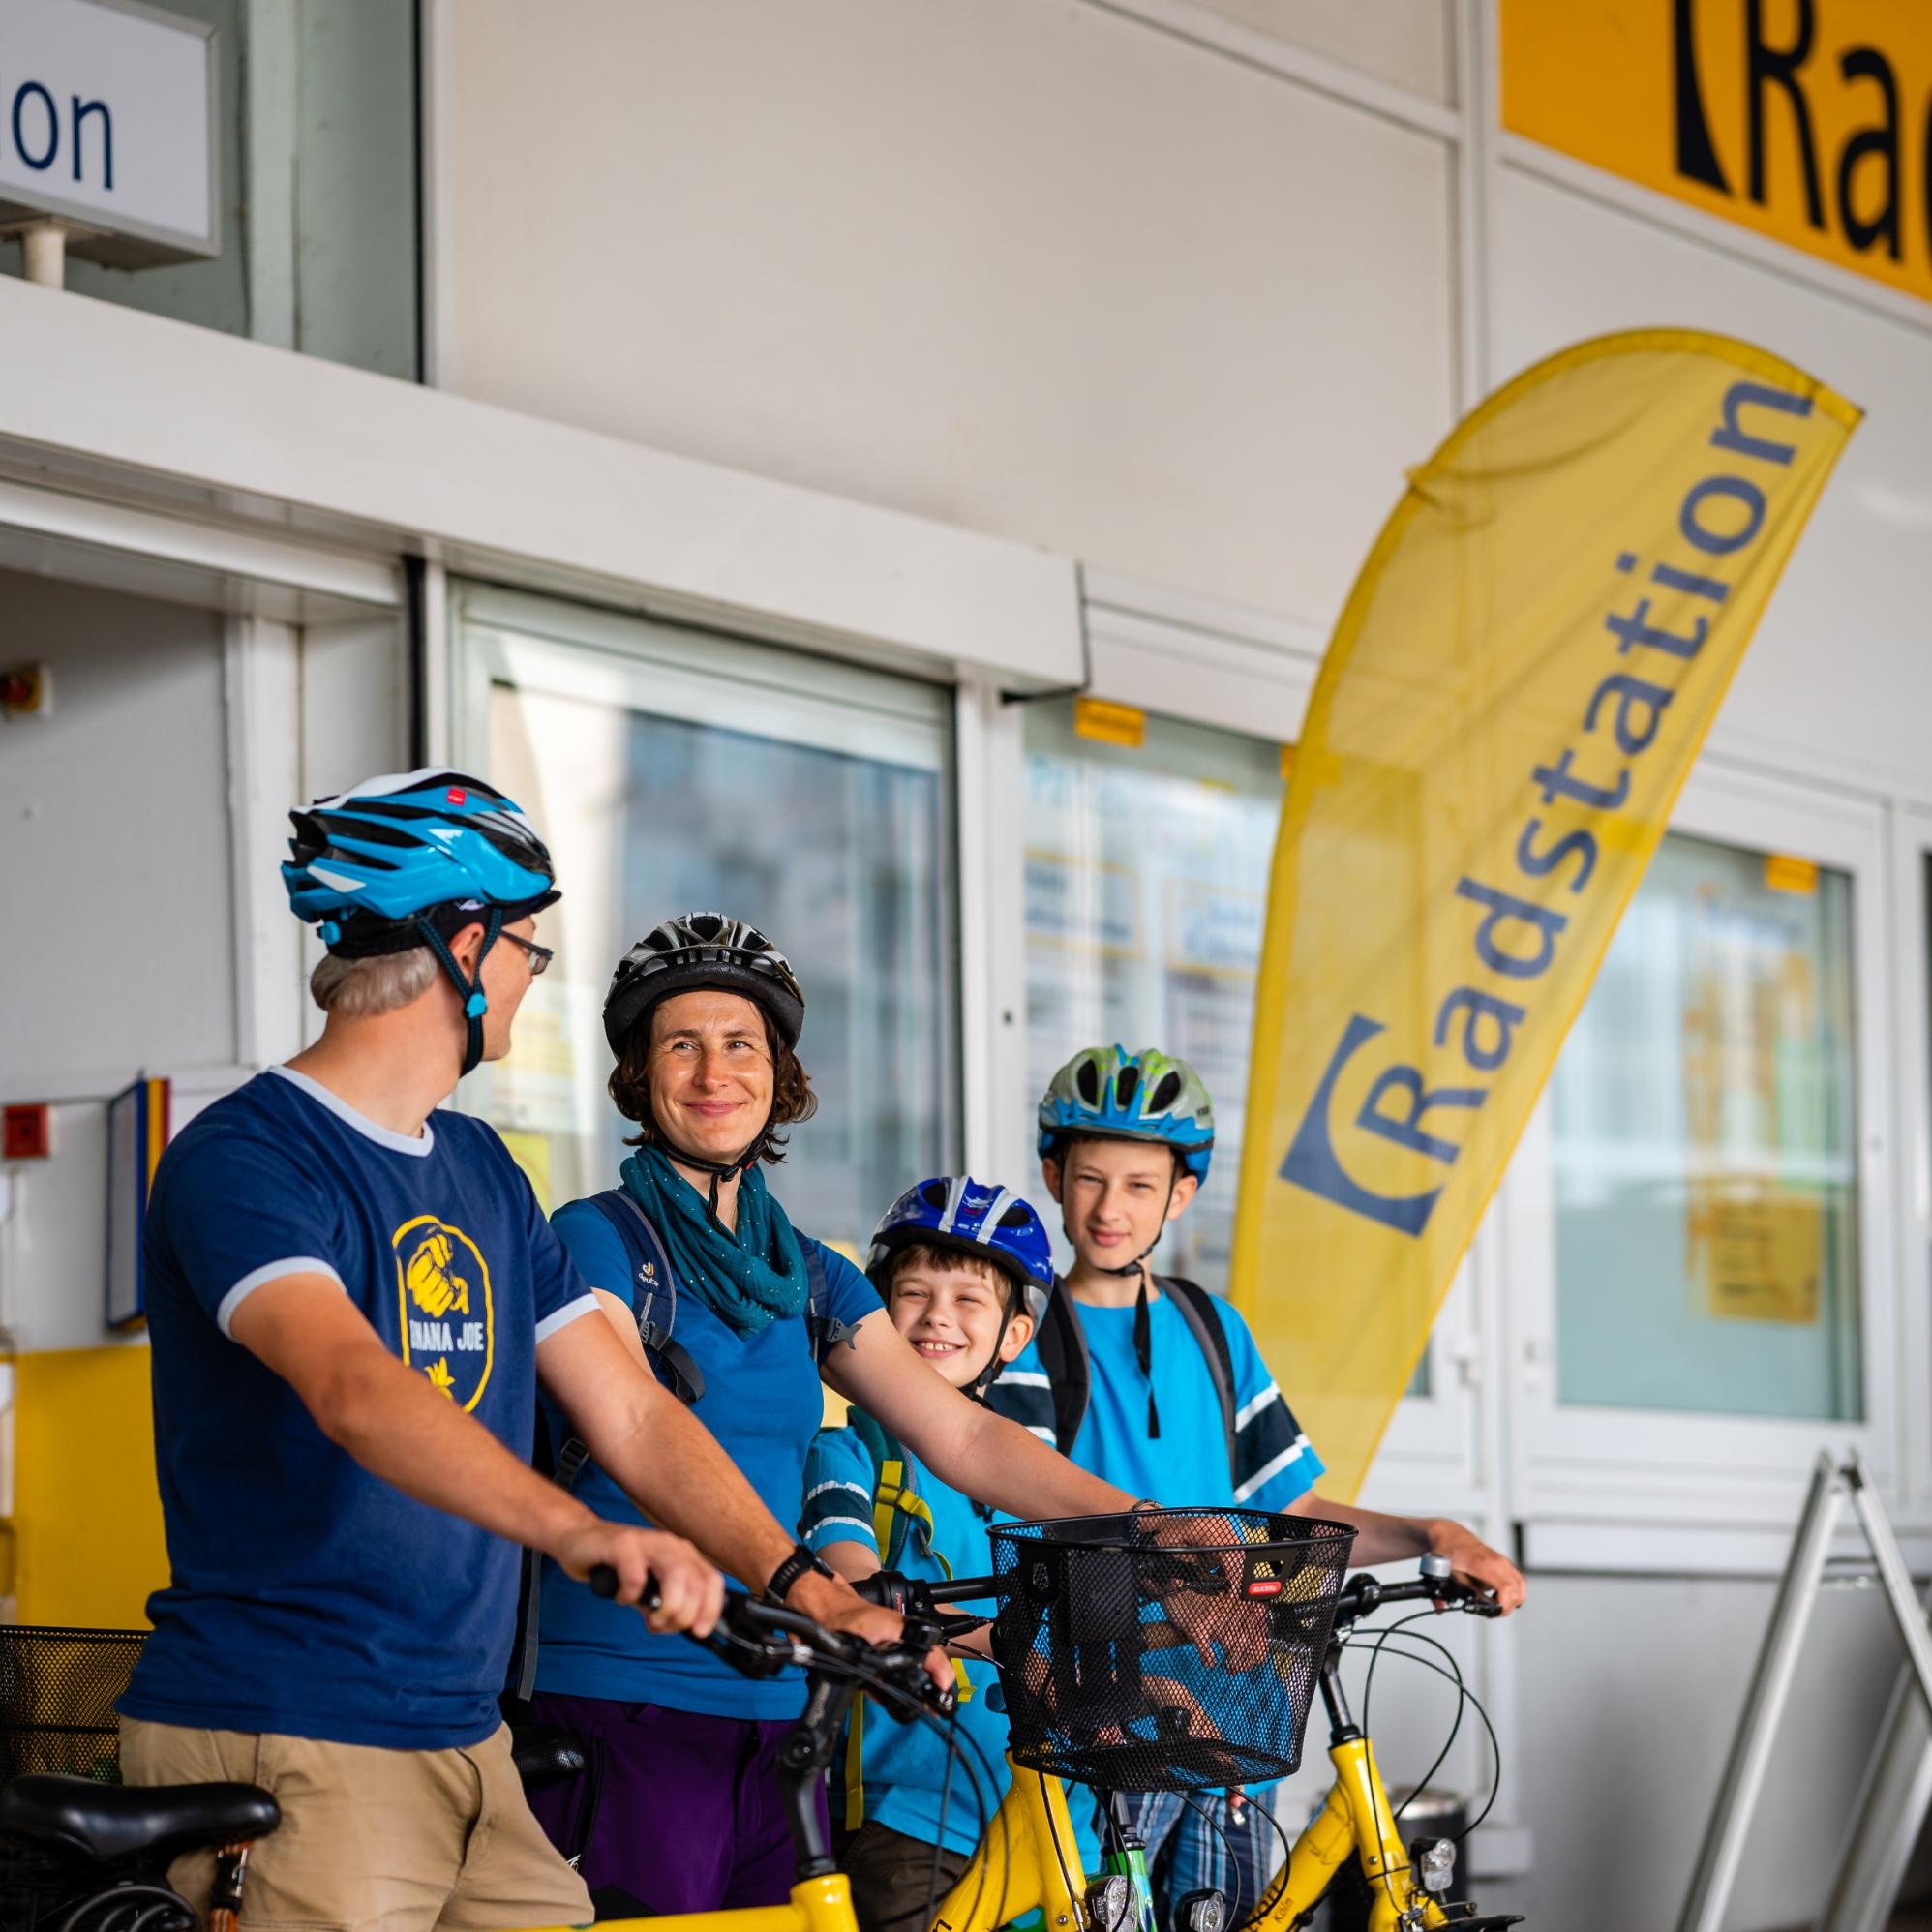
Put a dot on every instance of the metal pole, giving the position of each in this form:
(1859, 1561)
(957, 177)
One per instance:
(44, 254)
(1892, 1806)
(1723, 1848)
(1893, 1574)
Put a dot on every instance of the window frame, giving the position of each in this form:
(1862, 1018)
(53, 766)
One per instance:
(562, 648)
(1596, 1462)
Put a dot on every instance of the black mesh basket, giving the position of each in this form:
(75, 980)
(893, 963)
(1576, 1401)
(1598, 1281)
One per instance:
(1173, 1649)
(57, 1693)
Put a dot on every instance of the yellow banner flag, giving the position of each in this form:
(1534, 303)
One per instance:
(1518, 688)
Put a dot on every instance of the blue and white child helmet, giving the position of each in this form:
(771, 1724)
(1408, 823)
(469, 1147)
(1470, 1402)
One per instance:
(1105, 1093)
(408, 860)
(969, 1217)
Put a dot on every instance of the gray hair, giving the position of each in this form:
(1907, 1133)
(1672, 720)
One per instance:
(362, 988)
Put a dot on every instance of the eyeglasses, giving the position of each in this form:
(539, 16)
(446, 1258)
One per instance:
(539, 957)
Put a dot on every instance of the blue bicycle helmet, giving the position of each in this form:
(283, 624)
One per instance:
(969, 1217)
(409, 861)
(1106, 1093)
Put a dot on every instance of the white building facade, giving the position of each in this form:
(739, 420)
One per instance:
(810, 401)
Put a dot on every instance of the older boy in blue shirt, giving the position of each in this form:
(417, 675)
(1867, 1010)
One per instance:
(1159, 1387)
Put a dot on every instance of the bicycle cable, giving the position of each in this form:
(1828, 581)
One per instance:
(1464, 1695)
(960, 1747)
(1400, 1630)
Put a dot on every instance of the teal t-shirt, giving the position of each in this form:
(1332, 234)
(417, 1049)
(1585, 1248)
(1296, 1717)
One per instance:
(762, 1402)
(899, 1775)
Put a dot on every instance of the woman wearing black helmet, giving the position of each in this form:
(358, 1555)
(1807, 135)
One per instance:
(703, 1273)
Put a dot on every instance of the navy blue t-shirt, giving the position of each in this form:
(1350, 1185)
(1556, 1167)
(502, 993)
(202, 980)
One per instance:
(310, 1597)
(763, 1403)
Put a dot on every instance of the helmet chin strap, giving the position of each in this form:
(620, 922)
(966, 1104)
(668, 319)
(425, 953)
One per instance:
(469, 990)
(720, 1172)
(1143, 1324)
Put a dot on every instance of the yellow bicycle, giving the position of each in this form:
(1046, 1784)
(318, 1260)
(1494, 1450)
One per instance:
(1175, 1705)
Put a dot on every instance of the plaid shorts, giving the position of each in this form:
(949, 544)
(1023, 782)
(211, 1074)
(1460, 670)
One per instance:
(1221, 1847)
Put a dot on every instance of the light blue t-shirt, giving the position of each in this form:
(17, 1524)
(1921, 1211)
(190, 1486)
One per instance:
(763, 1403)
(1187, 1465)
(902, 1767)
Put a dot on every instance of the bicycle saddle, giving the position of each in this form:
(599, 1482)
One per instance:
(544, 1756)
(108, 1823)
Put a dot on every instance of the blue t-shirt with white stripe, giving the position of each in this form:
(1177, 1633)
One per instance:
(900, 1780)
(1187, 1465)
(308, 1596)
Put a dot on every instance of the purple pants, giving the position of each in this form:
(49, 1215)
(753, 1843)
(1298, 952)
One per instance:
(689, 1818)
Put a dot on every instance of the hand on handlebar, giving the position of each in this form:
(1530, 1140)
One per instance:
(833, 1602)
(1474, 1563)
(662, 1574)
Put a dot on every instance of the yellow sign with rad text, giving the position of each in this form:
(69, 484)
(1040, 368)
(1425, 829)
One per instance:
(1805, 120)
(1518, 685)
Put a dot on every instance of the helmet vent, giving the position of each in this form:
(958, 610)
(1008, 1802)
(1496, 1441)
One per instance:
(933, 1194)
(1125, 1083)
(1087, 1078)
(1018, 1215)
(707, 925)
(1165, 1092)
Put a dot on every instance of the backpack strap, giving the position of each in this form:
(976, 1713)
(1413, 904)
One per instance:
(826, 1331)
(654, 1284)
(898, 1510)
(1062, 1344)
(1196, 1308)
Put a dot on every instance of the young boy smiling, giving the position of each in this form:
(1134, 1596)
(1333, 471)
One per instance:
(1158, 1387)
(958, 1265)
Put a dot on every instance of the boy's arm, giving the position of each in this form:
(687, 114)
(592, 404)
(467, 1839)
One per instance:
(1381, 1538)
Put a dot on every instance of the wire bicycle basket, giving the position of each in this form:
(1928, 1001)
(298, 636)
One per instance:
(1172, 1650)
(57, 1693)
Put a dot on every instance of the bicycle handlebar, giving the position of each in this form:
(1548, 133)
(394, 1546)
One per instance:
(759, 1640)
(1363, 1593)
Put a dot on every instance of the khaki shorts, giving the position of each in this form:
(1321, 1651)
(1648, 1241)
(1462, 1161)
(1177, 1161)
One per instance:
(405, 1841)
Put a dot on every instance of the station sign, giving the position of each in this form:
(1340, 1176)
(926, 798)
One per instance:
(1807, 121)
(108, 122)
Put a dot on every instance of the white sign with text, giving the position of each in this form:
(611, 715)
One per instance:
(108, 120)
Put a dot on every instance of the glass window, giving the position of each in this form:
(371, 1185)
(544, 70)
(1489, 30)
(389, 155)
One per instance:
(673, 771)
(1146, 895)
(1704, 1141)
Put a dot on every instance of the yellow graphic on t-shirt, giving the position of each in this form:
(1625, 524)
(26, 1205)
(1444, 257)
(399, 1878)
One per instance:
(444, 1315)
(434, 1286)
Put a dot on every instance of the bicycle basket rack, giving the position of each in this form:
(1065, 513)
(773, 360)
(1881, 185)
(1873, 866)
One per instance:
(57, 1693)
(1172, 1650)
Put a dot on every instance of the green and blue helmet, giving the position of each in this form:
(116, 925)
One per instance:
(1105, 1093)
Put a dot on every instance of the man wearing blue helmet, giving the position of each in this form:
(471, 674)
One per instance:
(352, 1297)
(962, 1269)
(1151, 1383)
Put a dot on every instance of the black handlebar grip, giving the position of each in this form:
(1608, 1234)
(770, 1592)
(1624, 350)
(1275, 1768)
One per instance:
(604, 1583)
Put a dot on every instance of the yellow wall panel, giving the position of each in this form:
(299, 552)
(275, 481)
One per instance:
(86, 1522)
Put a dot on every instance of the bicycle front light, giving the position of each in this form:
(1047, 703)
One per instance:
(1432, 1863)
(1110, 1904)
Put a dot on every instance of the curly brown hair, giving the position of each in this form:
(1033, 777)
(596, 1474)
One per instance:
(791, 1096)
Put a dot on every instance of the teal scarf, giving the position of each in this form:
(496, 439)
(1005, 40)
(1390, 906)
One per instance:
(749, 1280)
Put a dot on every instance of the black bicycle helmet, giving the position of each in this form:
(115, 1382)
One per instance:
(702, 951)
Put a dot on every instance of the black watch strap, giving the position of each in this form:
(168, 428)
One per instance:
(788, 1573)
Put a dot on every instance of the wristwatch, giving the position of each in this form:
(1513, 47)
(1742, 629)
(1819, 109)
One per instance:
(794, 1566)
